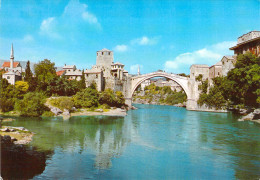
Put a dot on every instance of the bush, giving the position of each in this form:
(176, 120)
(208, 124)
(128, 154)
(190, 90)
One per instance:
(62, 103)
(32, 104)
(86, 98)
(175, 98)
(48, 114)
(112, 99)
(6, 104)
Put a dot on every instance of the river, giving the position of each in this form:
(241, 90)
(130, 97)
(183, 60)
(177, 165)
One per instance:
(153, 142)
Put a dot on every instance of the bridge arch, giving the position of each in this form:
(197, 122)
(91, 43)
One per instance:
(182, 81)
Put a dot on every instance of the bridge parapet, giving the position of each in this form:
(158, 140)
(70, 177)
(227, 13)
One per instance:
(158, 73)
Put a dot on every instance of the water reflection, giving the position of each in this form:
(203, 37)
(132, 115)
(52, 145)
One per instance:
(21, 162)
(153, 142)
(105, 137)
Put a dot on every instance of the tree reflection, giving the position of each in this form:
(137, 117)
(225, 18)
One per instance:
(21, 162)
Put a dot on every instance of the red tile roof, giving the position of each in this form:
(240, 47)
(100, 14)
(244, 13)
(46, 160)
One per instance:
(7, 64)
(59, 73)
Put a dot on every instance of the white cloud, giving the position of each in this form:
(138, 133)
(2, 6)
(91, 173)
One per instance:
(74, 17)
(143, 41)
(134, 68)
(91, 18)
(48, 28)
(121, 48)
(28, 38)
(78, 10)
(209, 55)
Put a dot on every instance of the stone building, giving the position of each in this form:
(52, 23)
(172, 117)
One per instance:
(13, 70)
(248, 42)
(228, 63)
(107, 74)
(215, 70)
(197, 69)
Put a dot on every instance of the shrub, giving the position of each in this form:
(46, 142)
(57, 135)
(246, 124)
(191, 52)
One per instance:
(6, 104)
(62, 102)
(48, 114)
(32, 104)
(86, 98)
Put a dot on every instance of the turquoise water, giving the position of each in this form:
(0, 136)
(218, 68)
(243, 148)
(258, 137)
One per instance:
(153, 142)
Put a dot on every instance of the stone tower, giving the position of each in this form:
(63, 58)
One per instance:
(12, 57)
(105, 58)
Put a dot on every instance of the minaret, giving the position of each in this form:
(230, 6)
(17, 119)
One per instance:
(12, 57)
(138, 72)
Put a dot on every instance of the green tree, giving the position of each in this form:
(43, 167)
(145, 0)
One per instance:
(28, 73)
(120, 100)
(244, 81)
(45, 72)
(6, 96)
(215, 98)
(82, 82)
(21, 88)
(86, 98)
(32, 104)
(107, 97)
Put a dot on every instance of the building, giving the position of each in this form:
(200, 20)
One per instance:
(107, 74)
(13, 69)
(215, 70)
(228, 63)
(249, 42)
(12, 77)
(71, 72)
(199, 69)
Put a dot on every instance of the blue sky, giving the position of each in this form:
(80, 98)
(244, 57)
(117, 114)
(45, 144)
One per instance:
(168, 35)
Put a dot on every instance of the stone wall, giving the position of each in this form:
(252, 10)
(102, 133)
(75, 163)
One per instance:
(196, 70)
(227, 65)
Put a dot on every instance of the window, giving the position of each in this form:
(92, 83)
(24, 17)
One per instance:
(8, 77)
(96, 76)
(102, 53)
(109, 53)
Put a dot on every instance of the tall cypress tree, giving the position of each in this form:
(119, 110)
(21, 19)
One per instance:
(28, 73)
(82, 81)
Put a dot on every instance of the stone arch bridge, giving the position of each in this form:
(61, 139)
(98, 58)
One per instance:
(186, 84)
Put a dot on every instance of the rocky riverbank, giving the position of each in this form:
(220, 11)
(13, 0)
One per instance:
(113, 111)
(18, 135)
(250, 116)
(105, 112)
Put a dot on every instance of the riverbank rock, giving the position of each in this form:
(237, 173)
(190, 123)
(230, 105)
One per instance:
(253, 116)
(21, 128)
(133, 108)
(5, 130)
(55, 110)
(98, 110)
(66, 112)
(6, 139)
